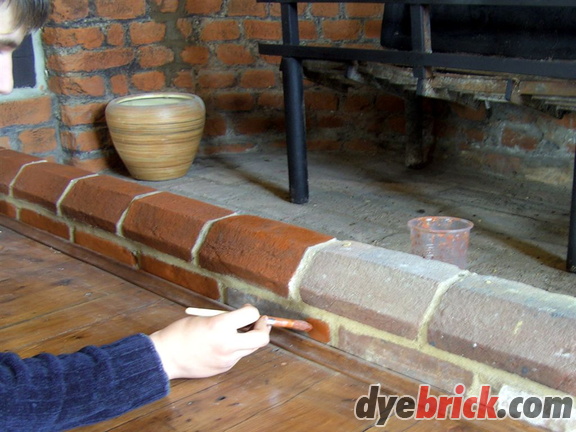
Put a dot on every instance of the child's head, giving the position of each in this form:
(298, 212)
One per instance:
(17, 19)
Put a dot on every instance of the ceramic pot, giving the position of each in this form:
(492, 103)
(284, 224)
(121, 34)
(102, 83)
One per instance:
(156, 134)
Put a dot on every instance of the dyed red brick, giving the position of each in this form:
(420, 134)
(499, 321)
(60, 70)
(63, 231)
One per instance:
(320, 330)
(186, 278)
(258, 250)
(406, 361)
(105, 247)
(44, 183)
(7, 209)
(45, 223)
(10, 163)
(101, 201)
(169, 223)
(510, 326)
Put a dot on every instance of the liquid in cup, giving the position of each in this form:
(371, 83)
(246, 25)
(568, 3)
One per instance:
(441, 238)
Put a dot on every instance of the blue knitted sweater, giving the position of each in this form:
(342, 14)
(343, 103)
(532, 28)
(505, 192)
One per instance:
(54, 393)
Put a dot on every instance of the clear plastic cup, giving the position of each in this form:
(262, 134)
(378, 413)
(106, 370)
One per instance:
(441, 238)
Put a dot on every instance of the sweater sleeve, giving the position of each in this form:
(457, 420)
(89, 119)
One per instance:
(52, 393)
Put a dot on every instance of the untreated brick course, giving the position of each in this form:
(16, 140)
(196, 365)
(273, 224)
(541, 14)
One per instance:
(413, 363)
(258, 250)
(510, 326)
(40, 140)
(44, 183)
(367, 284)
(169, 223)
(100, 201)
(26, 111)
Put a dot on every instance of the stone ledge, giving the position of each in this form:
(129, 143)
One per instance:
(431, 313)
(510, 326)
(388, 290)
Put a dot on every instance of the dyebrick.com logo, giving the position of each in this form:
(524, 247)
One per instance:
(425, 406)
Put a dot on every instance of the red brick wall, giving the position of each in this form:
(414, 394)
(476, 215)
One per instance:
(97, 50)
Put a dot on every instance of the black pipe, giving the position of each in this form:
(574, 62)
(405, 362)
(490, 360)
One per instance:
(295, 129)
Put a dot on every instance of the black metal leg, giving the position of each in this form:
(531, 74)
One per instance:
(295, 129)
(571, 257)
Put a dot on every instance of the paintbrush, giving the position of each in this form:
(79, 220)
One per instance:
(272, 321)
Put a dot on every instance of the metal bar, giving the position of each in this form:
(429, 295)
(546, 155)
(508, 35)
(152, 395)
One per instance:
(292, 77)
(421, 40)
(519, 3)
(295, 130)
(548, 68)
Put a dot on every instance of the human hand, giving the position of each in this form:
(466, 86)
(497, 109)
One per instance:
(198, 347)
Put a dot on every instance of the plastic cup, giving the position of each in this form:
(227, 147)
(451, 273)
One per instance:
(441, 238)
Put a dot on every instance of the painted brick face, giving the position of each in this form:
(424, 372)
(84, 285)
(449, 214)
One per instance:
(258, 250)
(101, 201)
(10, 164)
(44, 183)
(169, 223)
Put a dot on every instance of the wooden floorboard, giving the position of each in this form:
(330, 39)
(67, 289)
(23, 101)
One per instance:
(54, 302)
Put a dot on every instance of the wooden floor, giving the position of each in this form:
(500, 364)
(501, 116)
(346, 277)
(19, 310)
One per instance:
(53, 302)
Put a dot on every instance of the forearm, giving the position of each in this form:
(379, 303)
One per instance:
(50, 393)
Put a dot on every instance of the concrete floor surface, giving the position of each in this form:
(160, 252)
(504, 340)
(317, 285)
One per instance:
(520, 229)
